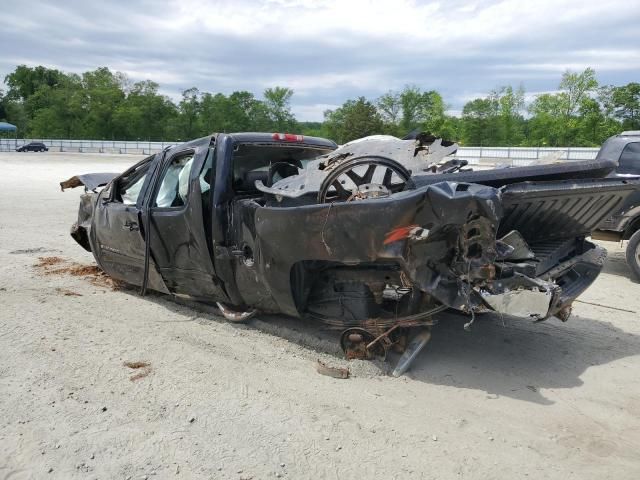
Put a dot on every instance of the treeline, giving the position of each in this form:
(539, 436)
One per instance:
(101, 104)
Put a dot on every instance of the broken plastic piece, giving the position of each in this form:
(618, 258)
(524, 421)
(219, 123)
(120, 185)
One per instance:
(335, 372)
(235, 316)
(412, 351)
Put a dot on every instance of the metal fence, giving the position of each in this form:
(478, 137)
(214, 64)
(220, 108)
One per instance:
(89, 146)
(475, 155)
(521, 156)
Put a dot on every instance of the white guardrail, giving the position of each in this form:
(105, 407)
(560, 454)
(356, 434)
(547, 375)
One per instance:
(89, 146)
(475, 155)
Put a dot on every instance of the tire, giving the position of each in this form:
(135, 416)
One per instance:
(633, 254)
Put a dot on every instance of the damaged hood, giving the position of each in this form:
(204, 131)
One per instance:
(91, 181)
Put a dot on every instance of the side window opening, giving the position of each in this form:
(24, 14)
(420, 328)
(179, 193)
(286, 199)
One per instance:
(130, 184)
(630, 159)
(174, 188)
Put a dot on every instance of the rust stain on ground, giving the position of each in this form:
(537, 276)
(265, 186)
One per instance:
(44, 262)
(60, 266)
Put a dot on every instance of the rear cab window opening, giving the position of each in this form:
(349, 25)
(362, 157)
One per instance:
(253, 162)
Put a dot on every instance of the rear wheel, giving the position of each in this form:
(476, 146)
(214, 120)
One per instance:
(633, 254)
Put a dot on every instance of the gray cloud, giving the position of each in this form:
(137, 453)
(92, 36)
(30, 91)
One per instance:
(328, 50)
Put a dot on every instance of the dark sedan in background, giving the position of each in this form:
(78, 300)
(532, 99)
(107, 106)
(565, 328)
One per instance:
(33, 147)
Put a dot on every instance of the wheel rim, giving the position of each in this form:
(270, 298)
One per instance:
(345, 179)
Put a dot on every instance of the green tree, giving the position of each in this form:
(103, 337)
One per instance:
(3, 111)
(556, 118)
(479, 122)
(59, 111)
(546, 123)
(510, 104)
(214, 110)
(188, 126)
(574, 87)
(390, 108)
(103, 94)
(24, 81)
(433, 113)
(412, 109)
(144, 113)
(277, 104)
(412, 105)
(354, 119)
(626, 105)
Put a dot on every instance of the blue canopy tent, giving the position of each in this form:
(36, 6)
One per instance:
(8, 127)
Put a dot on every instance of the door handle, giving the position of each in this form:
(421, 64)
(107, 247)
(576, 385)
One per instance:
(131, 226)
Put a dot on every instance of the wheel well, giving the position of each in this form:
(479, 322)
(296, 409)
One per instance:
(633, 227)
(309, 277)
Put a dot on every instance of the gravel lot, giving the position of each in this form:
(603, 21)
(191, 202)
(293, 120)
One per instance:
(510, 399)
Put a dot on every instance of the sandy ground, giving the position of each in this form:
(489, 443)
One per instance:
(510, 399)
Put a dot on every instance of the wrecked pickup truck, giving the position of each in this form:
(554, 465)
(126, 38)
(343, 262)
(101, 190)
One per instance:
(370, 238)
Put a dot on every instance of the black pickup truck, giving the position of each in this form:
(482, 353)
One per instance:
(371, 238)
(624, 149)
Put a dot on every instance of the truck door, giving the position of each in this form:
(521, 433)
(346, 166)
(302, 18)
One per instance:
(179, 208)
(119, 245)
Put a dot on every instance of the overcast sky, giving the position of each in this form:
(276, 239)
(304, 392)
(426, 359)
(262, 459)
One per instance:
(328, 50)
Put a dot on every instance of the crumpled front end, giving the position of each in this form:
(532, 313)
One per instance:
(81, 229)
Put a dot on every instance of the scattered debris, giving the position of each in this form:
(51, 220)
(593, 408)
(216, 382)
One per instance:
(335, 372)
(412, 351)
(29, 250)
(606, 306)
(144, 367)
(68, 293)
(136, 365)
(142, 374)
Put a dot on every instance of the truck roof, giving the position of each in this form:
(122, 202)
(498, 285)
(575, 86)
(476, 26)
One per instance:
(265, 138)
